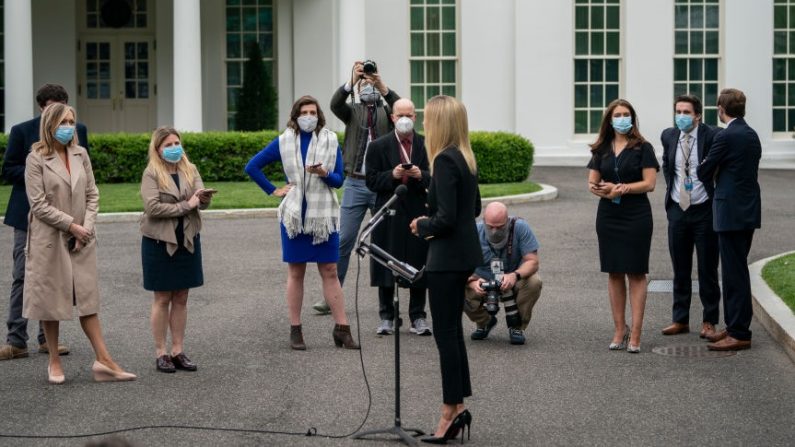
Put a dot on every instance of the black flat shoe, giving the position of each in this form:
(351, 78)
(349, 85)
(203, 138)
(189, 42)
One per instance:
(181, 361)
(164, 364)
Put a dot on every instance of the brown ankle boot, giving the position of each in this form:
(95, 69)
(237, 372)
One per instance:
(342, 337)
(297, 338)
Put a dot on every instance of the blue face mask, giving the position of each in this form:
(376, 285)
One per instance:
(622, 124)
(172, 154)
(684, 122)
(64, 134)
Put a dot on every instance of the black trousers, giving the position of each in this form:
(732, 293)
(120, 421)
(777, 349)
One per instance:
(386, 306)
(737, 307)
(446, 296)
(687, 230)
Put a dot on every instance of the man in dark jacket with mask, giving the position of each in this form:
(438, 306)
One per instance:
(510, 255)
(365, 121)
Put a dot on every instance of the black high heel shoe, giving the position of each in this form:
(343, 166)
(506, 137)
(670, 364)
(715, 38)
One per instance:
(457, 425)
(468, 423)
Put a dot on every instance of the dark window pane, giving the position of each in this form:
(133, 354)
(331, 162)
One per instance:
(696, 42)
(597, 95)
(712, 19)
(433, 71)
(266, 44)
(265, 19)
(597, 18)
(791, 68)
(433, 44)
(431, 91)
(233, 46)
(141, 20)
(613, 17)
(417, 72)
(581, 45)
(581, 17)
(448, 90)
(143, 70)
(91, 70)
(681, 42)
(790, 119)
(432, 19)
(233, 73)
(417, 44)
(711, 69)
(596, 67)
(696, 69)
(597, 43)
(710, 94)
(680, 16)
(231, 98)
(696, 16)
(143, 90)
(448, 71)
(250, 19)
(104, 90)
(448, 18)
(792, 16)
(611, 92)
(104, 51)
(711, 116)
(711, 46)
(779, 120)
(680, 88)
(780, 69)
(791, 94)
(779, 95)
(418, 96)
(448, 44)
(129, 70)
(432, 2)
(417, 18)
(91, 90)
(143, 50)
(580, 96)
(612, 43)
(696, 89)
(129, 89)
(91, 51)
(780, 42)
(596, 120)
(791, 43)
(580, 121)
(91, 5)
(580, 70)
(680, 69)
(611, 70)
(129, 50)
(91, 21)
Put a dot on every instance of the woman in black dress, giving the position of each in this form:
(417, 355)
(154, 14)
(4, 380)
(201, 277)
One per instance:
(171, 253)
(453, 252)
(622, 170)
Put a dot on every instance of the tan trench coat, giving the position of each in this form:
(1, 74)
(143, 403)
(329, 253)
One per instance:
(56, 278)
(164, 207)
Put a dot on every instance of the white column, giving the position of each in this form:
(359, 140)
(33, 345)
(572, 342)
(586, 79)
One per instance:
(18, 63)
(352, 38)
(187, 66)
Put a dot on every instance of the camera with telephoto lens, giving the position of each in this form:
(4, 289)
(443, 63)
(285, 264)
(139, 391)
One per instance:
(493, 294)
(369, 67)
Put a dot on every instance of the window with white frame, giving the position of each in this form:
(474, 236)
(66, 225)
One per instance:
(597, 60)
(433, 57)
(784, 66)
(246, 21)
(697, 53)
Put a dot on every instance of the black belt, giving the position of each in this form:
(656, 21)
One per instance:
(356, 176)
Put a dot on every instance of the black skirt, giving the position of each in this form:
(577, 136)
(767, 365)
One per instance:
(624, 231)
(164, 273)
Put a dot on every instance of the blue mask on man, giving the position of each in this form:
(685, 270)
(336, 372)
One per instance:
(622, 124)
(684, 122)
(64, 134)
(173, 154)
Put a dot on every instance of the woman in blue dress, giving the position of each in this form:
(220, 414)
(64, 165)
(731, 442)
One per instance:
(309, 213)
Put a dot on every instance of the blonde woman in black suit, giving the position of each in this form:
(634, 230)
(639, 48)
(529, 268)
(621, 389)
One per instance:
(453, 253)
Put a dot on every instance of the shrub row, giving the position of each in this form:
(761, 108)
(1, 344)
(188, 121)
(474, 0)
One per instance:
(221, 156)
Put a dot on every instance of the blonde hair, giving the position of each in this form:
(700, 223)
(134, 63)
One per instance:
(158, 166)
(446, 126)
(51, 118)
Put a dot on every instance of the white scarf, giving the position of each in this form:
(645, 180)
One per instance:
(322, 208)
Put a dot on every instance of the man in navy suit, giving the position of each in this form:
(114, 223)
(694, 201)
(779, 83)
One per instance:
(737, 209)
(688, 205)
(20, 140)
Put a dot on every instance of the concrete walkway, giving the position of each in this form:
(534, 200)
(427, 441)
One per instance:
(563, 388)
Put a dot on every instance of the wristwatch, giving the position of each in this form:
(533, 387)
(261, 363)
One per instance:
(518, 276)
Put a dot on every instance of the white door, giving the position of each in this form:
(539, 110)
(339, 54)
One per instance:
(116, 92)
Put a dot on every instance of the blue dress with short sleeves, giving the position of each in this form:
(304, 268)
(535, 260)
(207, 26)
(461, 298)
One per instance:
(300, 248)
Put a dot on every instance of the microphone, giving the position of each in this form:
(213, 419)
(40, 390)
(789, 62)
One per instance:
(400, 191)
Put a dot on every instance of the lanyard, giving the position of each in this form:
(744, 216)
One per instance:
(617, 162)
(686, 156)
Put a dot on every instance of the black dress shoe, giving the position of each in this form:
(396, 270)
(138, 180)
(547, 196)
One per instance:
(181, 361)
(164, 364)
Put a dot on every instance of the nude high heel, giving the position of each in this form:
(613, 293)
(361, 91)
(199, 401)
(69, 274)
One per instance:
(53, 379)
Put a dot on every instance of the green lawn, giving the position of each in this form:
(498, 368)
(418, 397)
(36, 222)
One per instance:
(780, 276)
(118, 197)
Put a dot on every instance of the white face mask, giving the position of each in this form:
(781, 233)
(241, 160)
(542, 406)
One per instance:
(404, 125)
(307, 123)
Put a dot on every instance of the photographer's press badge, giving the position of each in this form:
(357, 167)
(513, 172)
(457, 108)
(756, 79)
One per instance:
(496, 267)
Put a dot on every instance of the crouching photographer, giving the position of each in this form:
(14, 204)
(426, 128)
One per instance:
(509, 275)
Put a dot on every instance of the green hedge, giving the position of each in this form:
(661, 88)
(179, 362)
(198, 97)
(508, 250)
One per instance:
(221, 156)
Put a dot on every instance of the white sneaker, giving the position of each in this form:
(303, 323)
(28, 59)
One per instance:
(420, 327)
(385, 328)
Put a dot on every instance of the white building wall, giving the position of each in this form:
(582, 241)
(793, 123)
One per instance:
(54, 47)
(647, 59)
(164, 77)
(283, 52)
(387, 42)
(488, 63)
(213, 24)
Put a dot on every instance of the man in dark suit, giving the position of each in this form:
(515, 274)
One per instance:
(688, 205)
(737, 208)
(20, 140)
(399, 158)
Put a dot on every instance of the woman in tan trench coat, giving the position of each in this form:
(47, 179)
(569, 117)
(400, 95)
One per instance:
(61, 258)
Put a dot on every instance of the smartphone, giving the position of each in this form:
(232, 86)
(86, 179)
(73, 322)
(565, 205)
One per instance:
(407, 166)
(209, 191)
(316, 165)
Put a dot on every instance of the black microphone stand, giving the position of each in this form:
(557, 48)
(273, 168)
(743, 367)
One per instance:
(402, 272)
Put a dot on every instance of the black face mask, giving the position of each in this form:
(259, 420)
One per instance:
(497, 237)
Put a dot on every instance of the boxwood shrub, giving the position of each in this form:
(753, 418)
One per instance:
(221, 156)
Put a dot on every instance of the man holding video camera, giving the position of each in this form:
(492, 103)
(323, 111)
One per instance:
(365, 121)
(509, 274)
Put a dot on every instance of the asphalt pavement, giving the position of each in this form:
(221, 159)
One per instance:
(562, 388)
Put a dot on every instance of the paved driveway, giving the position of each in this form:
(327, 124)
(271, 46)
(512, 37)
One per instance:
(563, 388)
